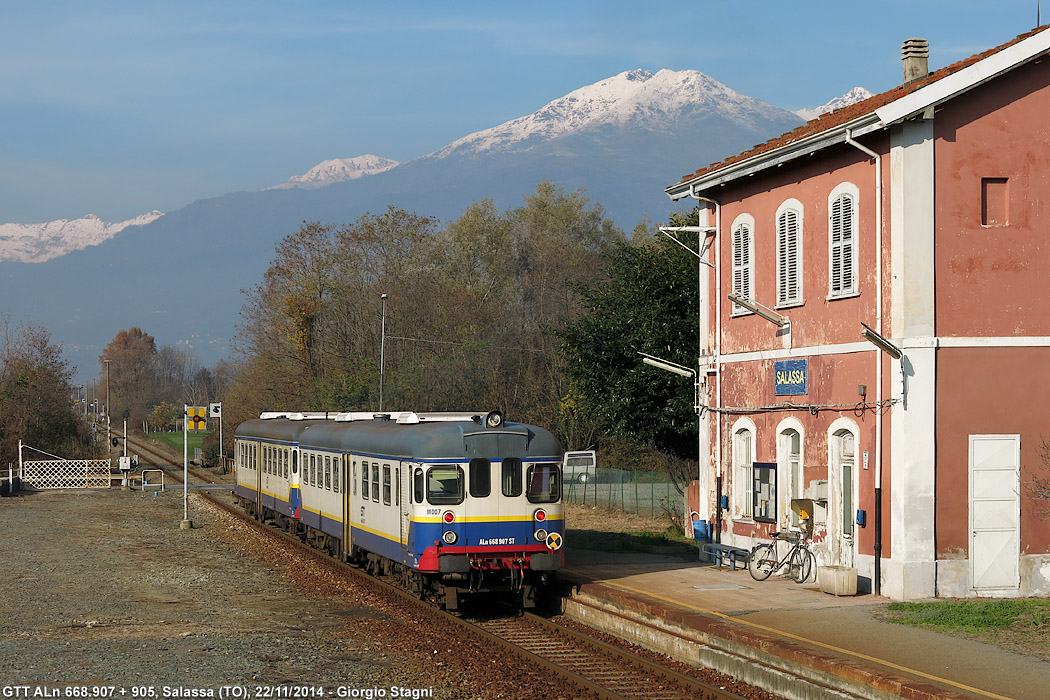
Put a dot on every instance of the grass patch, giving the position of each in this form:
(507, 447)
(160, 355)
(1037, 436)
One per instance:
(971, 616)
(669, 541)
(173, 441)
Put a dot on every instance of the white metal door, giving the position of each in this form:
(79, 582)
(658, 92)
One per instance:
(995, 510)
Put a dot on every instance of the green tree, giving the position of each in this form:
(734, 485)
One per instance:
(35, 396)
(648, 303)
(164, 416)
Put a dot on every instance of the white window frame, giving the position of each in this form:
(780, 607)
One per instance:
(842, 247)
(743, 467)
(789, 254)
(742, 254)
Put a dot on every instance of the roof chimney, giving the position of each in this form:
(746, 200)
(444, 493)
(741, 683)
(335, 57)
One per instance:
(915, 55)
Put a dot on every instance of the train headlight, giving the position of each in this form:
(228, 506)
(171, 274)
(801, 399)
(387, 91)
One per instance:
(449, 537)
(449, 517)
(540, 535)
(540, 515)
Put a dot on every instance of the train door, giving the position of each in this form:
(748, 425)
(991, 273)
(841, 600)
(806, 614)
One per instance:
(348, 480)
(404, 499)
(255, 452)
(295, 493)
(485, 500)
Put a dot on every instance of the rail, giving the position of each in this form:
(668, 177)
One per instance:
(592, 667)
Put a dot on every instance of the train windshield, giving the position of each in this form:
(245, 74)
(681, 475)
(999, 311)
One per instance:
(544, 483)
(445, 485)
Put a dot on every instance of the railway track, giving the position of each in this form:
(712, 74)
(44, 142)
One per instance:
(589, 666)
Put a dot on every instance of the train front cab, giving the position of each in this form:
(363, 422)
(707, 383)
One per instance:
(488, 525)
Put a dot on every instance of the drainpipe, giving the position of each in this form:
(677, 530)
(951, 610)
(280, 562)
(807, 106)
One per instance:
(878, 357)
(717, 417)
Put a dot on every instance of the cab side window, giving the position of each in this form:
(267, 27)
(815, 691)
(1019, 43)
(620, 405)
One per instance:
(480, 478)
(511, 477)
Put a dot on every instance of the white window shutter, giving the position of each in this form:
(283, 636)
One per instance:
(742, 263)
(788, 259)
(842, 230)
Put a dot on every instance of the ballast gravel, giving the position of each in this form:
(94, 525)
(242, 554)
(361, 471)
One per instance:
(103, 595)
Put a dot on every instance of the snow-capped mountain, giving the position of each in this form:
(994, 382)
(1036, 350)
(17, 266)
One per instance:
(620, 140)
(855, 95)
(329, 172)
(655, 102)
(36, 243)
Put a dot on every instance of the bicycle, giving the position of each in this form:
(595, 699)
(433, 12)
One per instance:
(798, 560)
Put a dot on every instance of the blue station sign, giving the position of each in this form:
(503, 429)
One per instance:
(791, 377)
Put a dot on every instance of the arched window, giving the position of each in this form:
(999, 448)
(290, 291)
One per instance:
(743, 259)
(743, 470)
(789, 253)
(842, 241)
(791, 450)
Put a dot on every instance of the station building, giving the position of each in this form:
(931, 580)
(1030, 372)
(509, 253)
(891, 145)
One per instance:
(875, 331)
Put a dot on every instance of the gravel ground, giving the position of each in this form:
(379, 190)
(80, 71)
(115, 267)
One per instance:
(102, 588)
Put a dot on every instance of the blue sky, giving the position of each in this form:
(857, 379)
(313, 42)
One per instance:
(116, 108)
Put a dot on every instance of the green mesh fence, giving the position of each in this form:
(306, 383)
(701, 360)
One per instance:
(641, 492)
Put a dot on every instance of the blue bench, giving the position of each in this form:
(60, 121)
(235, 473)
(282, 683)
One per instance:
(721, 552)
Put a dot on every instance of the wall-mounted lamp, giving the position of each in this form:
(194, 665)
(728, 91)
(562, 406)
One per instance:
(667, 365)
(876, 339)
(756, 308)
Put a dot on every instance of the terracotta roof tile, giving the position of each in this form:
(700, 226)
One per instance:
(830, 120)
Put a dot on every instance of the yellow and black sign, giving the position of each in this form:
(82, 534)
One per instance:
(197, 418)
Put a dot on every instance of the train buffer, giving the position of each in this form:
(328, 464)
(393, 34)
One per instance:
(721, 552)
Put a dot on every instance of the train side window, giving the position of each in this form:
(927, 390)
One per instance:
(397, 486)
(313, 470)
(335, 473)
(328, 472)
(417, 487)
(480, 477)
(375, 481)
(364, 479)
(284, 456)
(445, 485)
(353, 476)
(295, 462)
(386, 484)
(544, 483)
(511, 476)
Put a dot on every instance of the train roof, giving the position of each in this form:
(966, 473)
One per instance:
(410, 436)
(281, 430)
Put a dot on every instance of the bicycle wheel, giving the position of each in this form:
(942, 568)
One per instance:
(801, 564)
(762, 562)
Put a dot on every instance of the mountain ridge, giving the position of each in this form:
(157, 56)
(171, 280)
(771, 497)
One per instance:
(181, 276)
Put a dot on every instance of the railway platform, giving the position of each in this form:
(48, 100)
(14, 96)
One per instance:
(793, 637)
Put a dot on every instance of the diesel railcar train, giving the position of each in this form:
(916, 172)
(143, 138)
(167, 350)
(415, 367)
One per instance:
(453, 504)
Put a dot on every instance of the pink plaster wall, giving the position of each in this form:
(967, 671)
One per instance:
(992, 280)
